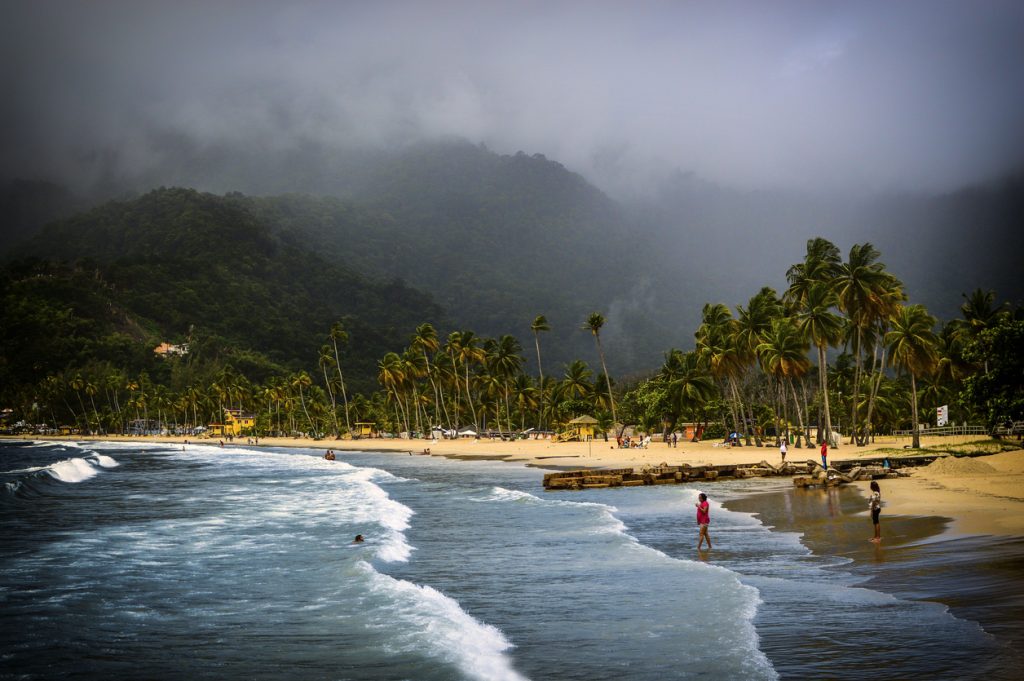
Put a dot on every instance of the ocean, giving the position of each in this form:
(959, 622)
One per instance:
(139, 560)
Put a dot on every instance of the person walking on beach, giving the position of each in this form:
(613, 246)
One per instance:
(703, 520)
(782, 450)
(875, 504)
(824, 455)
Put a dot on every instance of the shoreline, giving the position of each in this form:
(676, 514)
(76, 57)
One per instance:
(986, 503)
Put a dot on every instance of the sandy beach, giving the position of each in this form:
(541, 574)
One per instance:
(987, 499)
(979, 501)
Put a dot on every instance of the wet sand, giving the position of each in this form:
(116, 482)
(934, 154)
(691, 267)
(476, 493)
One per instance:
(980, 578)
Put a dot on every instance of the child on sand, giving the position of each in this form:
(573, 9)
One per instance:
(782, 450)
(875, 504)
(703, 519)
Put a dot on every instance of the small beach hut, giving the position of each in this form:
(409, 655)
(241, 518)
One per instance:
(364, 428)
(582, 428)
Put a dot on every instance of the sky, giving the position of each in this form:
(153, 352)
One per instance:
(819, 96)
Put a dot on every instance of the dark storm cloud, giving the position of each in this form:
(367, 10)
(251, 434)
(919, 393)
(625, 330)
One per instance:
(814, 95)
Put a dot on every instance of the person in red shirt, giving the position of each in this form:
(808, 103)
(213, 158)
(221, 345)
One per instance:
(824, 455)
(703, 520)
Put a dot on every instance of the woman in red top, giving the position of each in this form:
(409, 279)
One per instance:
(703, 519)
(824, 455)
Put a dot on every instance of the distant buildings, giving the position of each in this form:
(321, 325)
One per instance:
(168, 350)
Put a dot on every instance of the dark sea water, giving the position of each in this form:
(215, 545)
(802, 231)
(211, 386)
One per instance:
(127, 561)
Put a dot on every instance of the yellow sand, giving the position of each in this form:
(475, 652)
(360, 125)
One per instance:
(978, 501)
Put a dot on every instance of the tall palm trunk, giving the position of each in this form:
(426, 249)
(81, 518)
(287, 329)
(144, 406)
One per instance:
(607, 379)
(916, 437)
(799, 414)
(302, 399)
(869, 434)
(458, 390)
(753, 426)
(438, 394)
(469, 401)
(341, 379)
(540, 372)
(334, 401)
(807, 434)
(732, 404)
(856, 390)
(777, 403)
(823, 382)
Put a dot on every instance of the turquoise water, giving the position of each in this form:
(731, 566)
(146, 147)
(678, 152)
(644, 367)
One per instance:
(123, 561)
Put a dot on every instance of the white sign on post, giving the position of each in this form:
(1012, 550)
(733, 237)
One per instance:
(942, 415)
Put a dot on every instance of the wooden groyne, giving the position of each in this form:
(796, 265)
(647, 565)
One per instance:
(804, 474)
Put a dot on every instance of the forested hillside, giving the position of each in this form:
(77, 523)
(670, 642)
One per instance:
(497, 240)
(177, 265)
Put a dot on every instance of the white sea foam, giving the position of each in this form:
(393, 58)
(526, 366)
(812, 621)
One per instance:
(433, 624)
(345, 492)
(503, 494)
(105, 461)
(71, 470)
(375, 505)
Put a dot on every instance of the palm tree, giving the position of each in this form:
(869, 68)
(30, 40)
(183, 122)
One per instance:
(90, 390)
(911, 345)
(783, 354)
(527, 397)
(77, 383)
(468, 351)
(299, 381)
(507, 363)
(752, 324)
(391, 375)
(816, 321)
(980, 312)
(690, 386)
(575, 384)
(874, 335)
(131, 385)
(594, 323)
(865, 292)
(822, 263)
(540, 323)
(114, 382)
(425, 339)
(324, 360)
(339, 335)
(414, 367)
(716, 339)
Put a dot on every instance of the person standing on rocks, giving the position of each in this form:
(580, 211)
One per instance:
(782, 450)
(875, 504)
(824, 455)
(703, 520)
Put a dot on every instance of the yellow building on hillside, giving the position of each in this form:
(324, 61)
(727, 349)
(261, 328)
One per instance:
(236, 422)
